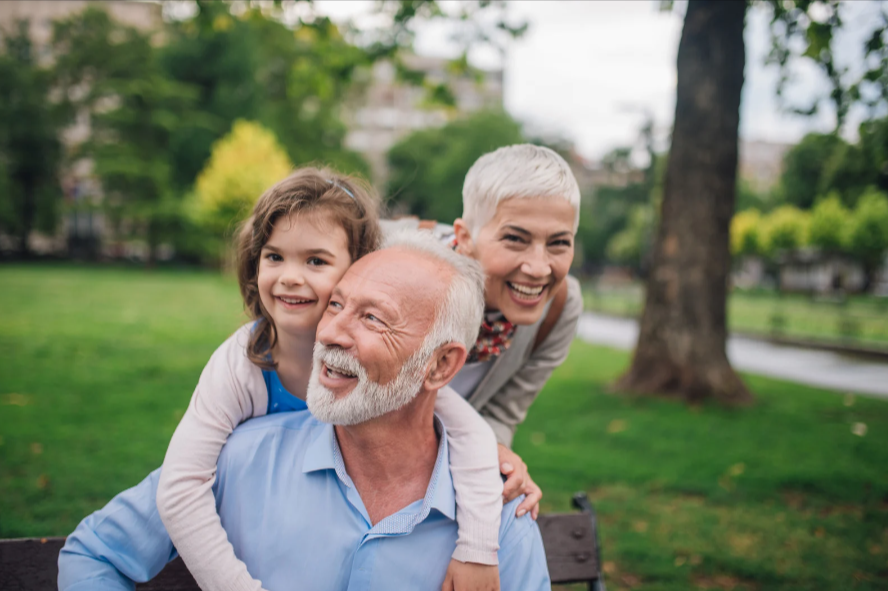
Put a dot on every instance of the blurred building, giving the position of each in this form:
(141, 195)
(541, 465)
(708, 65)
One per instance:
(81, 228)
(761, 163)
(390, 109)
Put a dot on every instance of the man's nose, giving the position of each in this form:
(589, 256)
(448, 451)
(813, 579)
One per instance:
(537, 263)
(335, 330)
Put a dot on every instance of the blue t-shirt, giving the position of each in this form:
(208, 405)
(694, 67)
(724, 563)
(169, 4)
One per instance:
(279, 400)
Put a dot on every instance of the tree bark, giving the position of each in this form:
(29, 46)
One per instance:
(681, 343)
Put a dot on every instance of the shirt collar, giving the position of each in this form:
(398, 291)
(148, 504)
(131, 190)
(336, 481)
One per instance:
(323, 454)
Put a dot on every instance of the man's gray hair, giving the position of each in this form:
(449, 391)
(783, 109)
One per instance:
(458, 317)
(519, 171)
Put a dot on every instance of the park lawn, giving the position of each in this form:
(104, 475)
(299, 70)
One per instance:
(97, 365)
(859, 320)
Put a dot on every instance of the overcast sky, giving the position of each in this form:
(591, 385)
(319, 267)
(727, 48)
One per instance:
(590, 70)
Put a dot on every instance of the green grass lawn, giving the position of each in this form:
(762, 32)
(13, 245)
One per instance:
(97, 365)
(860, 320)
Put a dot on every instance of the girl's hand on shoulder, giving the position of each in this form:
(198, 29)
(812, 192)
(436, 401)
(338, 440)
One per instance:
(470, 576)
(518, 482)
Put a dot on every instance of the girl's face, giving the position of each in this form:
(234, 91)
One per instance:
(299, 266)
(526, 251)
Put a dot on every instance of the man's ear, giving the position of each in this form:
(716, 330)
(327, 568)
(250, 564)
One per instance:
(447, 362)
(464, 243)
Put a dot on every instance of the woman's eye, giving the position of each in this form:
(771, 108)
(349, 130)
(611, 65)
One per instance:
(512, 238)
(564, 243)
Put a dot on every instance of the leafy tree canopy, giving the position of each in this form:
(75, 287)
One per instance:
(427, 168)
(242, 166)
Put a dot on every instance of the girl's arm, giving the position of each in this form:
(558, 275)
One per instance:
(476, 479)
(231, 390)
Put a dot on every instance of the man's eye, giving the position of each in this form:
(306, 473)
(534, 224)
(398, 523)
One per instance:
(335, 305)
(373, 318)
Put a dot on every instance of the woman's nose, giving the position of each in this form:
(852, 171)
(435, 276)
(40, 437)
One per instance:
(536, 264)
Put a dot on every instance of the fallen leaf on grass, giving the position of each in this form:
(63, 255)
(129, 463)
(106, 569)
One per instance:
(617, 426)
(609, 567)
(36, 448)
(15, 399)
(859, 429)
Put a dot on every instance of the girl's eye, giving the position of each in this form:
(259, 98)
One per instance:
(316, 262)
(274, 257)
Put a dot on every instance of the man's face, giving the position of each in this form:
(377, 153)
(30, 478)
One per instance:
(369, 358)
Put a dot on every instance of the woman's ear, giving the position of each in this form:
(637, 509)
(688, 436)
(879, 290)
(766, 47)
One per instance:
(464, 244)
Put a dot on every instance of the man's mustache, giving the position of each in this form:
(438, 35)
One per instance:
(338, 360)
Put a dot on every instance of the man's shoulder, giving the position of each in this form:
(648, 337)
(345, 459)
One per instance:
(285, 428)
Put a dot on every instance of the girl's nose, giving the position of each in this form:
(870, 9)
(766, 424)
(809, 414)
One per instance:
(292, 276)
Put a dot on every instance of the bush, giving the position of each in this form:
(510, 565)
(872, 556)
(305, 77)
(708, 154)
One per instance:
(745, 229)
(829, 221)
(785, 228)
(242, 165)
(867, 234)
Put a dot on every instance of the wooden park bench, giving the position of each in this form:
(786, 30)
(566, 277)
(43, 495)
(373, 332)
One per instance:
(570, 539)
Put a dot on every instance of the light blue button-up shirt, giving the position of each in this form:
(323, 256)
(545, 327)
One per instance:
(295, 518)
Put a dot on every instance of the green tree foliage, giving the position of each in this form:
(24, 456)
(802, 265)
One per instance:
(135, 111)
(803, 167)
(242, 165)
(293, 80)
(30, 148)
(867, 238)
(829, 221)
(785, 228)
(631, 245)
(745, 233)
(428, 167)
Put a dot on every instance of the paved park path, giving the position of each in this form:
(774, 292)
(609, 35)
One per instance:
(807, 366)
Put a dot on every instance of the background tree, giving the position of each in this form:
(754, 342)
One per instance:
(784, 229)
(241, 166)
(428, 167)
(828, 226)
(681, 346)
(746, 234)
(803, 165)
(30, 146)
(867, 238)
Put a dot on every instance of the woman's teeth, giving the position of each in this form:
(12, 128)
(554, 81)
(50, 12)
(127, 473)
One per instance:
(526, 291)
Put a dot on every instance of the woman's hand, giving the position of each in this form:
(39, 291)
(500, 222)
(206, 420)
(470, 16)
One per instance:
(518, 482)
(470, 576)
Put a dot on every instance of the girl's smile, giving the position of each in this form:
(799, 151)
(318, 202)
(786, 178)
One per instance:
(303, 260)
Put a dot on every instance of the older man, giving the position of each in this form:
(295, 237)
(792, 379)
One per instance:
(365, 504)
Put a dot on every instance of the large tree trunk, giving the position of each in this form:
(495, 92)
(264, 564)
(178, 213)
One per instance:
(681, 343)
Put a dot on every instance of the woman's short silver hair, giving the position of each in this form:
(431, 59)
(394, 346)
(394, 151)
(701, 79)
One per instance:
(458, 317)
(519, 171)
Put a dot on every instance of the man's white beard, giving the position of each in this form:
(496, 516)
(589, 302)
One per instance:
(368, 399)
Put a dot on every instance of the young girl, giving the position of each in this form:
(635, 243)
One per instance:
(301, 238)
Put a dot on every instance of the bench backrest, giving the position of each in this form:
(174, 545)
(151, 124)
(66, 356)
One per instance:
(570, 540)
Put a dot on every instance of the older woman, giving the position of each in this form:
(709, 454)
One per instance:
(521, 209)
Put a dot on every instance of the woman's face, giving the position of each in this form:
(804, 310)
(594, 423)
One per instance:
(526, 251)
(303, 260)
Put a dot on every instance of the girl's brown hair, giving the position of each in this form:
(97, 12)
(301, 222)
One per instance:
(351, 202)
